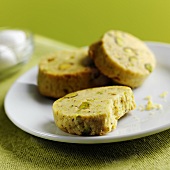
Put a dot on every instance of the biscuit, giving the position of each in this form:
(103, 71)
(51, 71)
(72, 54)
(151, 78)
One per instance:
(68, 71)
(93, 111)
(123, 58)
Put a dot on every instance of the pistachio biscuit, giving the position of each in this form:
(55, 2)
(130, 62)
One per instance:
(123, 58)
(93, 111)
(68, 71)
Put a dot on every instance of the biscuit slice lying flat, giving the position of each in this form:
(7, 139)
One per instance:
(93, 111)
(123, 57)
(68, 71)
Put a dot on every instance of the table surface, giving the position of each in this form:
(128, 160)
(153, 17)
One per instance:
(19, 150)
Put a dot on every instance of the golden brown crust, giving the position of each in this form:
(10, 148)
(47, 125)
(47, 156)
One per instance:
(58, 76)
(128, 64)
(93, 111)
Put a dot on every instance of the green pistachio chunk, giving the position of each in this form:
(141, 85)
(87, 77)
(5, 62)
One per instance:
(71, 95)
(86, 131)
(84, 105)
(129, 50)
(65, 66)
(132, 60)
(119, 41)
(149, 67)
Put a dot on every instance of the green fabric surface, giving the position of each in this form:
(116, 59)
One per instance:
(19, 150)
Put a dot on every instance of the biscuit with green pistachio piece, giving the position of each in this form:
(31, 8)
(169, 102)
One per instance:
(67, 71)
(93, 111)
(123, 58)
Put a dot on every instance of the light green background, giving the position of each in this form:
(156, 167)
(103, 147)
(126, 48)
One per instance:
(80, 22)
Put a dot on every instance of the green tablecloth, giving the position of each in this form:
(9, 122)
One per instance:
(19, 150)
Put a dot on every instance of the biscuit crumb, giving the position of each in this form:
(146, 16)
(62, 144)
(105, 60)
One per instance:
(163, 94)
(149, 105)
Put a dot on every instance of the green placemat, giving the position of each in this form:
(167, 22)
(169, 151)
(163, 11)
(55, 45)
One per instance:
(19, 150)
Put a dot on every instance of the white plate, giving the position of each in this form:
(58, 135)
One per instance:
(31, 112)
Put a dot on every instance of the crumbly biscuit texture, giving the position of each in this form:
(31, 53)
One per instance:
(123, 57)
(68, 71)
(93, 111)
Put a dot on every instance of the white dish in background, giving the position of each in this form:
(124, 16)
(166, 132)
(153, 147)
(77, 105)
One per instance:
(31, 112)
(16, 48)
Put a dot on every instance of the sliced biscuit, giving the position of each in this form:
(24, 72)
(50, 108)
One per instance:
(123, 58)
(93, 111)
(68, 71)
